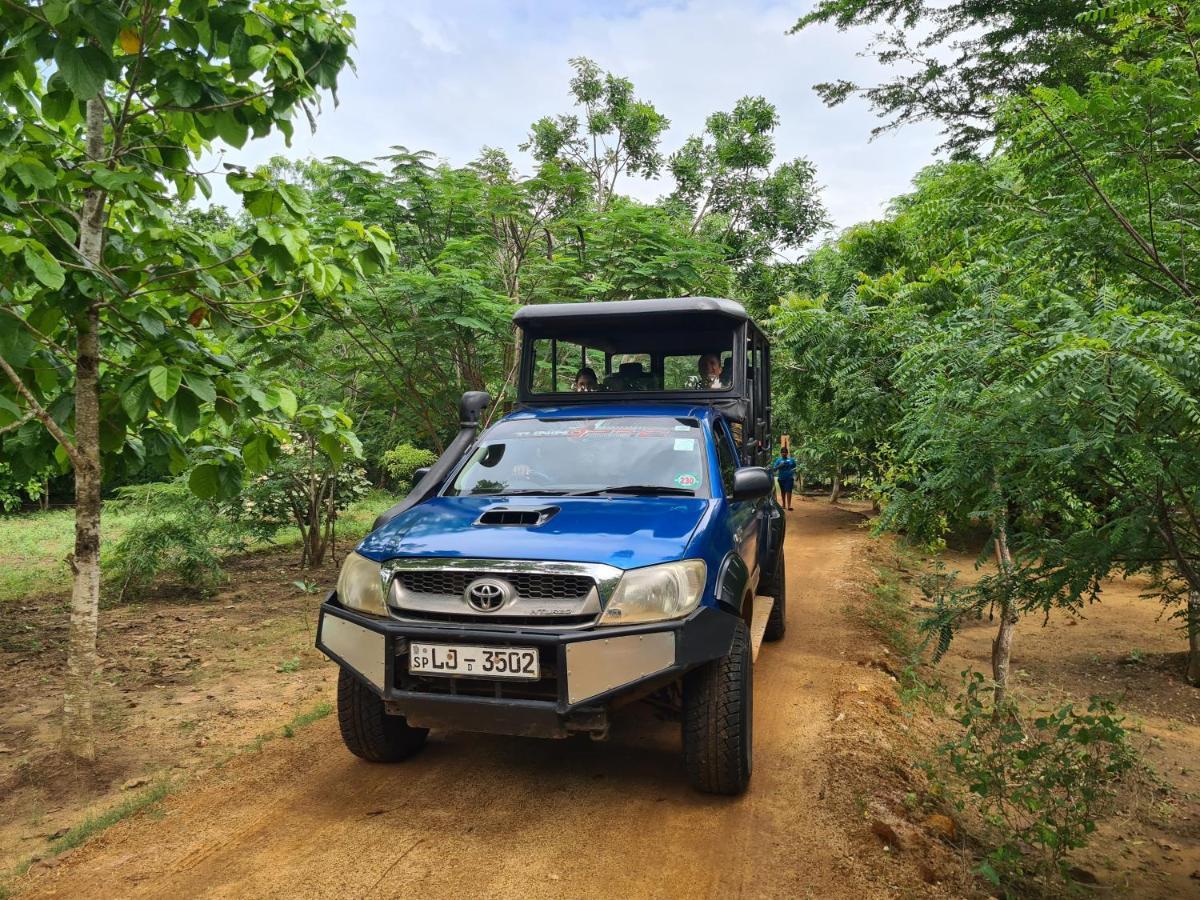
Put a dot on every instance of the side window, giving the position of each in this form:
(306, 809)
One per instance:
(727, 458)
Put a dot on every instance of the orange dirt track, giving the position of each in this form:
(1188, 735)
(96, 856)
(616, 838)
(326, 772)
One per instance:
(491, 816)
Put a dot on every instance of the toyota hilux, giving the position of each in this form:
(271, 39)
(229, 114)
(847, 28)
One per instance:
(614, 537)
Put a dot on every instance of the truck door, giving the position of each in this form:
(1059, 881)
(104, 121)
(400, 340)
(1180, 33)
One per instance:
(744, 515)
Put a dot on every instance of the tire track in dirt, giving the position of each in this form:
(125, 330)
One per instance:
(492, 816)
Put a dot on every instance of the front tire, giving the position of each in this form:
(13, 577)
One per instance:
(367, 730)
(718, 707)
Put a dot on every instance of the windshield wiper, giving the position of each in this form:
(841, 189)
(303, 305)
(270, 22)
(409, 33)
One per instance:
(647, 490)
(541, 492)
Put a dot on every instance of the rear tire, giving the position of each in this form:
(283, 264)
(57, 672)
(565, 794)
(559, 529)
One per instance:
(777, 621)
(718, 715)
(367, 730)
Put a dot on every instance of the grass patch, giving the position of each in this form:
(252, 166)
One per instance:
(89, 828)
(299, 722)
(93, 825)
(34, 545)
(304, 719)
(888, 614)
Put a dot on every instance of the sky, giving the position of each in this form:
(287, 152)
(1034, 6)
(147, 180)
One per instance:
(456, 75)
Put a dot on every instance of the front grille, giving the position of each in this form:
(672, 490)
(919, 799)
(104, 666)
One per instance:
(493, 619)
(528, 585)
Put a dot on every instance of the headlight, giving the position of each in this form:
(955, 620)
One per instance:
(360, 586)
(654, 593)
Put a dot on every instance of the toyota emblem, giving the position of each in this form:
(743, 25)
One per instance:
(486, 595)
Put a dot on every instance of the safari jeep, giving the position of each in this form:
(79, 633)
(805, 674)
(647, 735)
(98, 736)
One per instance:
(604, 542)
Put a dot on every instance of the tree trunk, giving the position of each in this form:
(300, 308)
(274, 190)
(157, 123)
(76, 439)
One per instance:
(78, 737)
(835, 493)
(78, 732)
(1002, 645)
(1193, 626)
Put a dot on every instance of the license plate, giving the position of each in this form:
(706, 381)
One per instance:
(474, 661)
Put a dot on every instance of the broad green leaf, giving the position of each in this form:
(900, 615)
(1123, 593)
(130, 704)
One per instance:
(332, 446)
(9, 411)
(210, 481)
(84, 68)
(200, 385)
(230, 129)
(103, 20)
(260, 55)
(287, 401)
(186, 91)
(33, 174)
(184, 412)
(295, 198)
(45, 268)
(153, 324)
(227, 410)
(256, 453)
(135, 398)
(165, 381)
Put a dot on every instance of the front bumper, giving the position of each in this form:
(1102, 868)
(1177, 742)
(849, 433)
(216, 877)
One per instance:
(582, 670)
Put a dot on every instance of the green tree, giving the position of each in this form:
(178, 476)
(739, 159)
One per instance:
(957, 60)
(725, 182)
(617, 134)
(472, 244)
(118, 309)
(1045, 383)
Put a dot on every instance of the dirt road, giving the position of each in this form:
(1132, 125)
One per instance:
(492, 816)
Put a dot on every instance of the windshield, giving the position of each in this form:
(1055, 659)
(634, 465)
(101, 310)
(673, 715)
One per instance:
(629, 455)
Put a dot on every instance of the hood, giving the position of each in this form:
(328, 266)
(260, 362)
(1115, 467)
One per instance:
(626, 532)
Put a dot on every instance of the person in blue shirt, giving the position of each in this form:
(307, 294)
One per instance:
(784, 468)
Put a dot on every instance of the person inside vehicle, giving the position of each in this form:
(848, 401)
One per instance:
(585, 381)
(711, 377)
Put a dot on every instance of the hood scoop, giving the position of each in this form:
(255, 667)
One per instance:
(517, 515)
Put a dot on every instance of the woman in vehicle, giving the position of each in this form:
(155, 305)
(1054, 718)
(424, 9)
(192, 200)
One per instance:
(585, 381)
(784, 468)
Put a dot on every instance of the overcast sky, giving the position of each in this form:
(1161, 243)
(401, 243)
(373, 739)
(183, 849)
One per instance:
(455, 75)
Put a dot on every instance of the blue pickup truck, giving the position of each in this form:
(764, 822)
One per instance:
(602, 543)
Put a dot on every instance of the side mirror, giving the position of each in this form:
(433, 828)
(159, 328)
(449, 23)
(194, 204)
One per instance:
(751, 483)
(418, 474)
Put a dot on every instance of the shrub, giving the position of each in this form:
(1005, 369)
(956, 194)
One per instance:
(303, 487)
(401, 462)
(1037, 787)
(172, 533)
(34, 487)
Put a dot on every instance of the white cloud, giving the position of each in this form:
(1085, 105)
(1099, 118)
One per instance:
(454, 76)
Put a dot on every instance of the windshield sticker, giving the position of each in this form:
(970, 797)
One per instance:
(687, 480)
(584, 432)
(686, 445)
(683, 427)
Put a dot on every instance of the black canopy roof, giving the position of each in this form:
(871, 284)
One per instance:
(532, 316)
(671, 325)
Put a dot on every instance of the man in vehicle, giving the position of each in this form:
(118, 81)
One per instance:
(710, 377)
